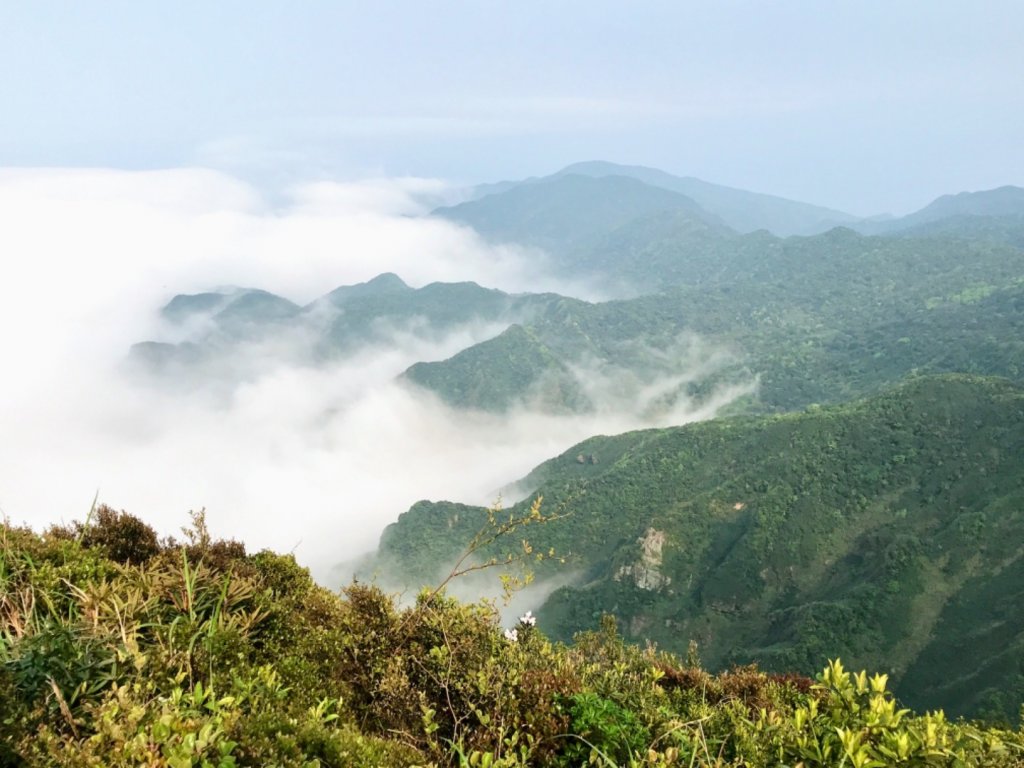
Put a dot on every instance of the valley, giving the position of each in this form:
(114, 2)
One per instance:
(859, 489)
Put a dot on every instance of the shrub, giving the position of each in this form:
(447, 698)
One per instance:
(178, 661)
(124, 537)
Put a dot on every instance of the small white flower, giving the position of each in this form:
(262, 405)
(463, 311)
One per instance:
(528, 620)
(512, 635)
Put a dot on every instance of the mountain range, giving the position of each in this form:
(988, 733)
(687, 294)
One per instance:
(859, 495)
(739, 209)
(501, 209)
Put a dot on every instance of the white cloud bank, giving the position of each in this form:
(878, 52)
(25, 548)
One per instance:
(315, 460)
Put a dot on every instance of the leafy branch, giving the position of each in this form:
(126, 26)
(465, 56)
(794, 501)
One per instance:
(495, 530)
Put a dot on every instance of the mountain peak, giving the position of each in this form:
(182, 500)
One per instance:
(186, 306)
(607, 168)
(386, 281)
(567, 211)
(383, 284)
(1007, 200)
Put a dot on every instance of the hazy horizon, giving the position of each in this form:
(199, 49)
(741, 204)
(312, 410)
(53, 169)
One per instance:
(869, 108)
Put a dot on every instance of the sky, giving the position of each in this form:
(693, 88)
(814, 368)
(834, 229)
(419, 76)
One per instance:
(868, 106)
(151, 149)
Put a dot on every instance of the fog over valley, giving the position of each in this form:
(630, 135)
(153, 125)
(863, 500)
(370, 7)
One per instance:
(283, 449)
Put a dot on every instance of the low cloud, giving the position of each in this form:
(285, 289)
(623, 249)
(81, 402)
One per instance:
(315, 459)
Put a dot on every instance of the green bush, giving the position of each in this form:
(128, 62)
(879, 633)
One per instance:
(244, 661)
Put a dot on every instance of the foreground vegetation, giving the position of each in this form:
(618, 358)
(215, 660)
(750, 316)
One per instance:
(117, 649)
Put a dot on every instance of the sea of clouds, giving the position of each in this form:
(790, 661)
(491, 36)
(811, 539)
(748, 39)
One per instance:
(314, 459)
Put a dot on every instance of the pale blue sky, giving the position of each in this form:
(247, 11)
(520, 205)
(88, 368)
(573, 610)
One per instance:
(866, 106)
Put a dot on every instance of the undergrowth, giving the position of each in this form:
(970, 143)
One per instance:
(117, 649)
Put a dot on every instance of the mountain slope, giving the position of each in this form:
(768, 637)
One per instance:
(870, 529)
(366, 316)
(514, 367)
(1002, 201)
(987, 214)
(742, 210)
(569, 211)
(211, 327)
(819, 319)
(998, 229)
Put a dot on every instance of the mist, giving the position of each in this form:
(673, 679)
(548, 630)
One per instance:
(314, 459)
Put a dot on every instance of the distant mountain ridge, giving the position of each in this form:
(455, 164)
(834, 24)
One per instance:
(532, 350)
(744, 211)
(1002, 201)
(739, 209)
(815, 320)
(217, 324)
(965, 213)
(570, 210)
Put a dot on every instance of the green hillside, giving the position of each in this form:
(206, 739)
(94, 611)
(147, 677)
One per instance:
(818, 319)
(887, 530)
(1002, 201)
(369, 316)
(337, 324)
(997, 229)
(512, 368)
(987, 214)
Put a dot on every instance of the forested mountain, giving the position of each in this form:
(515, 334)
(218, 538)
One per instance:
(818, 319)
(994, 214)
(745, 211)
(1003, 201)
(741, 210)
(567, 212)
(886, 530)
(882, 529)
(814, 319)
(999, 229)
(210, 327)
(533, 384)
